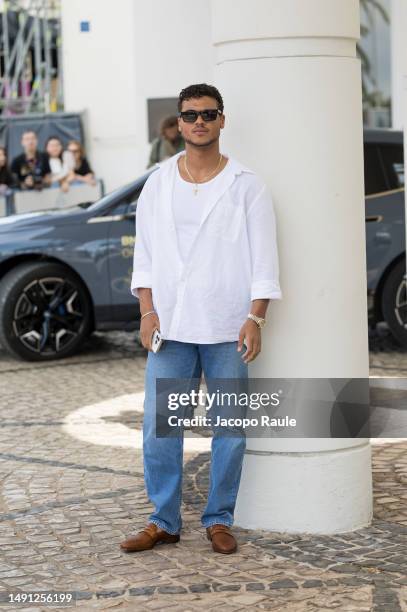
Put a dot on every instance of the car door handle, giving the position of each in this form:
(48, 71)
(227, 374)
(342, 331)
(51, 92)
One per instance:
(374, 218)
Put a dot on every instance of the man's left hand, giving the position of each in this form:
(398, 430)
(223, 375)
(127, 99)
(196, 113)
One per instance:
(250, 333)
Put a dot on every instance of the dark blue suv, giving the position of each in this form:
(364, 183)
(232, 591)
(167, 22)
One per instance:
(65, 273)
(386, 230)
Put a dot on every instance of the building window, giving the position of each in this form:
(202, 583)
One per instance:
(375, 179)
(393, 162)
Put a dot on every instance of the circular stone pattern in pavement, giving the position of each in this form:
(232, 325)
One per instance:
(94, 424)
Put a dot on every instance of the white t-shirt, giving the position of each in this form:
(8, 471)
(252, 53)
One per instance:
(60, 168)
(188, 207)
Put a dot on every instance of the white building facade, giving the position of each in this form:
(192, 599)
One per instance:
(126, 53)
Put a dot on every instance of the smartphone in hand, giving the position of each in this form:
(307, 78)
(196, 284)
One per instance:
(156, 341)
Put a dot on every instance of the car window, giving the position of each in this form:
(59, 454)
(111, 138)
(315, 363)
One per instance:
(393, 162)
(125, 205)
(375, 178)
(111, 197)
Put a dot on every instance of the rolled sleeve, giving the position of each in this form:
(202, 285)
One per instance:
(261, 225)
(142, 258)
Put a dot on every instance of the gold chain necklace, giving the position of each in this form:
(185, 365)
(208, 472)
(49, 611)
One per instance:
(206, 177)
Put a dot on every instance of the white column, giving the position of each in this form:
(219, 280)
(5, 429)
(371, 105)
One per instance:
(398, 20)
(291, 83)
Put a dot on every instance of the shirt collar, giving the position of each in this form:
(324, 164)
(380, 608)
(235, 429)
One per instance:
(235, 166)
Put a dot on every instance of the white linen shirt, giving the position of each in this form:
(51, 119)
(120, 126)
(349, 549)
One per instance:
(232, 261)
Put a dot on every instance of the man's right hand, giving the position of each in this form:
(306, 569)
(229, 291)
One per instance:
(147, 327)
(29, 181)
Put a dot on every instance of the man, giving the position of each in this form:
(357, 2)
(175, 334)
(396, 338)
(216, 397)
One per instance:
(31, 169)
(168, 143)
(205, 268)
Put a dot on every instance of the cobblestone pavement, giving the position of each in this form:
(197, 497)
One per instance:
(66, 503)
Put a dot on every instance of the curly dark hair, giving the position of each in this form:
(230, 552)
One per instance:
(198, 91)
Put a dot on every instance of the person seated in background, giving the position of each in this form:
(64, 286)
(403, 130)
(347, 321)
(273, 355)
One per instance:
(81, 172)
(168, 143)
(31, 169)
(6, 178)
(61, 162)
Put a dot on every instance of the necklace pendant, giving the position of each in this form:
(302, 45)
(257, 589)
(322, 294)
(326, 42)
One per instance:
(195, 190)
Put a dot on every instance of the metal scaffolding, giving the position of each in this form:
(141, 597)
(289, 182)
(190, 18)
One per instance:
(30, 57)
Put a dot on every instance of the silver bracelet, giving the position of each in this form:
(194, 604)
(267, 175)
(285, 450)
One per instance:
(147, 313)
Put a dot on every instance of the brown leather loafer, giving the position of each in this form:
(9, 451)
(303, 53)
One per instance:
(147, 538)
(223, 540)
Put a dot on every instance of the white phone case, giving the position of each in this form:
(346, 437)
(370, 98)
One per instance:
(156, 341)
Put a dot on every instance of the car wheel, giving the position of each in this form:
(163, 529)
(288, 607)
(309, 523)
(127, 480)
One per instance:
(45, 311)
(394, 302)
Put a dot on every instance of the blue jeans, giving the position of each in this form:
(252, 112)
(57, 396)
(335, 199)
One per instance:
(163, 456)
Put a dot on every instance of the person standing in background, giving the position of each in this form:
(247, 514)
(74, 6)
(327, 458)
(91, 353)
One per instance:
(81, 172)
(6, 178)
(168, 143)
(31, 169)
(61, 162)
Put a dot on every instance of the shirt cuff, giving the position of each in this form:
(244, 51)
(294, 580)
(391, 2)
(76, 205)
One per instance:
(266, 289)
(140, 279)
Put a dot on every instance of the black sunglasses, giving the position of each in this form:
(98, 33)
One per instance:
(209, 114)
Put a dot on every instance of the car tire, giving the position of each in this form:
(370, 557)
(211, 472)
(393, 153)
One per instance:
(394, 295)
(45, 311)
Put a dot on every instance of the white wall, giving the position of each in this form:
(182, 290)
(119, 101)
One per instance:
(135, 50)
(98, 76)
